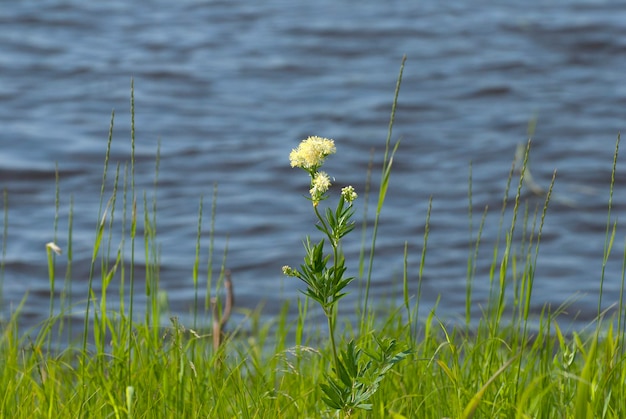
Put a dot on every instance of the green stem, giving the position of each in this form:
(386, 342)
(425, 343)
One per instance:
(330, 315)
(330, 311)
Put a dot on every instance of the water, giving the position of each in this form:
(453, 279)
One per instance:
(228, 89)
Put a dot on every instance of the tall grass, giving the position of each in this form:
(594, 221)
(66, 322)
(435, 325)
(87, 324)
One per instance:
(505, 363)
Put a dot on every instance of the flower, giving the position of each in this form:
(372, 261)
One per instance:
(348, 194)
(289, 271)
(53, 246)
(319, 185)
(311, 153)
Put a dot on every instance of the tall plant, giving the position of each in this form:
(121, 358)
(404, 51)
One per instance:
(355, 379)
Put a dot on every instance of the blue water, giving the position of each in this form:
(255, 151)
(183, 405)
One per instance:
(229, 88)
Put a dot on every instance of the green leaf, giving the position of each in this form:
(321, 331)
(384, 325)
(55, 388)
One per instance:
(332, 399)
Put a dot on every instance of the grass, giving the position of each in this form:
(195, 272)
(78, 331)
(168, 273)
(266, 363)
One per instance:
(127, 364)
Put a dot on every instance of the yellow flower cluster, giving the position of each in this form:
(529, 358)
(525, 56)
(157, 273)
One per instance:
(348, 194)
(319, 185)
(311, 153)
(310, 156)
(289, 271)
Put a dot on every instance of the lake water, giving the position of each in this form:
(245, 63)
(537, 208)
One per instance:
(229, 88)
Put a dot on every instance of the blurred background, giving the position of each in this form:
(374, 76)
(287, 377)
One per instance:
(228, 88)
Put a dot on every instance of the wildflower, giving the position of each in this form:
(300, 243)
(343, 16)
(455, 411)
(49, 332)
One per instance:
(53, 246)
(311, 153)
(319, 185)
(289, 271)
(348, 194)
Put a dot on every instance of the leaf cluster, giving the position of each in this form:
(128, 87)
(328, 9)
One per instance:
(357, 379)
(338, 223)
(324, 284)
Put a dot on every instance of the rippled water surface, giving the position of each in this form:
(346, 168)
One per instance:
(229, 88)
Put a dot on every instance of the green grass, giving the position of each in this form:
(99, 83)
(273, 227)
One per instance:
(503, 364)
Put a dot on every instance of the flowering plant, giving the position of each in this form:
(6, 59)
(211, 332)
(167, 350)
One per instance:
(355, 381)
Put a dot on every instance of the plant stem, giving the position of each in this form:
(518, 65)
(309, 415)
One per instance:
(329, 309)
(330, 315)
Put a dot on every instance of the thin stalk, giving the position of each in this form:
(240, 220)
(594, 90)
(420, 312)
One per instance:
(91, 294)
(544, 211)
(531, 277)
(124, 326)
(149, 277)
(155, 249)
(51, 254)
(405, 287)
(221, 315)
(330, 316)
(303, 309)
(609, 236)
(506, 258)
(196, 265)
(152, 273)
(386, 171)
(494, 261)
(366, 194)
(209, 280)
(621, 313)
(96, 247)
(51, 275)
(123, 240)
(470, 260)
(107, 273)
(472, 274)
(133, 228)
(151, 250)
(121, 348)
(519, 286)
(66, 295)
(420, 275)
